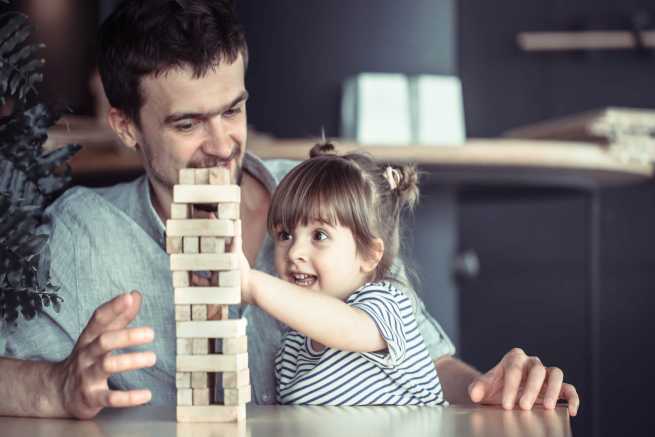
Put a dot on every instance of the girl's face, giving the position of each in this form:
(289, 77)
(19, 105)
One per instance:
(322, 258)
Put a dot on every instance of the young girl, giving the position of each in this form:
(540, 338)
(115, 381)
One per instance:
(353, 339)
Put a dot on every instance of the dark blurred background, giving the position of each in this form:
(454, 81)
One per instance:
(566, 272)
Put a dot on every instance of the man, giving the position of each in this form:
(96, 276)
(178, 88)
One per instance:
(174, 72)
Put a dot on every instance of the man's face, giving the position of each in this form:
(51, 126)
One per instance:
(193, 122)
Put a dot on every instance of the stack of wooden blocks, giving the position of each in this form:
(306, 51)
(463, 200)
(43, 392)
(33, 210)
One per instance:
(212, 379)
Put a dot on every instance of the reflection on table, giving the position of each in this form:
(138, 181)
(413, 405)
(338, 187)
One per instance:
(273, 421)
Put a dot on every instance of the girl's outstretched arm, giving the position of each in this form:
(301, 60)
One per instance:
(324, 319)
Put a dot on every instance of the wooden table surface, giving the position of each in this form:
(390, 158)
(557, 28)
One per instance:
(283, 421)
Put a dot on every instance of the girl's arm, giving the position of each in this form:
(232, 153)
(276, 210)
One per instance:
(322, 318)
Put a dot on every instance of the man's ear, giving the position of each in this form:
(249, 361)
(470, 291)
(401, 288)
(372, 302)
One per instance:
(123, 126)
(374, 255)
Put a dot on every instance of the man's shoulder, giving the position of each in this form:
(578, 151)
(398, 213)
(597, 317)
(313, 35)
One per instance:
(280, 167)
(261, 168)
(82, 206)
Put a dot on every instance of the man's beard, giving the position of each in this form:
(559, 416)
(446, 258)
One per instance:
(235, 156)
(211, 161)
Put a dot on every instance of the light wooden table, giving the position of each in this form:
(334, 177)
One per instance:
(279, 421)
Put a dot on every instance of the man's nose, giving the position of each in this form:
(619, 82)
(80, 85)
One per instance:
(218, 141)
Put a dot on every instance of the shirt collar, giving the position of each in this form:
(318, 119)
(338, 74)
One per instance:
(150, 221)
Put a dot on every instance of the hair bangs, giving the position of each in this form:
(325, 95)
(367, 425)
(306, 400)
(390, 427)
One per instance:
(318, 191)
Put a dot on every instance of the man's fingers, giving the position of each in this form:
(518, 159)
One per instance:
(484, 384)
(112, 340)
(110, 364)
(105, 315)
(128, 398)
(513, 367)
(570, 394)
(553, 387)
(533, 382)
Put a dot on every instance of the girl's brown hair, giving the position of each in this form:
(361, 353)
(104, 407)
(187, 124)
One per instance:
(350, 190)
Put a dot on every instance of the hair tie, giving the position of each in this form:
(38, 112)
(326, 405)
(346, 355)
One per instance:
(392, 175)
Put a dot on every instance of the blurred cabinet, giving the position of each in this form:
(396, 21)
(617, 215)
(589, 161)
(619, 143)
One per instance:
(568, 275)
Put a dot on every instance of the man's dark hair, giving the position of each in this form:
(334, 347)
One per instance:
(144, 37)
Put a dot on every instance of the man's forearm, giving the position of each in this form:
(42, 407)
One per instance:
(29, 388)
(455, 376)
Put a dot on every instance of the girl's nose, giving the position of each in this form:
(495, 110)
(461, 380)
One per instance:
(297, 251)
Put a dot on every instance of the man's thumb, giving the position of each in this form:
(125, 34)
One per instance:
(477, 390)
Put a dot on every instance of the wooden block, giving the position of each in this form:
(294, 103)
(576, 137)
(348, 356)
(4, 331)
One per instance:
(199, 380)
(212, 245)
(203, 261)
(219, 176)
(207, 295)
(187, 176)
(211, 413)
(200, 346)
(211, 363)
(201, 396)
(202, 176)
(228, 211)
(235, 345)
(173, 244)
(190, 244)
(211, 328)
(180, 279)
(229, 278)
(200, 228)
(199, 312)
(180, 211)
(184, 396)
(236, 396)
(184, 346)
(183, 379)
(206, 193)
(236, 379)
(218, 312)
(182, 313)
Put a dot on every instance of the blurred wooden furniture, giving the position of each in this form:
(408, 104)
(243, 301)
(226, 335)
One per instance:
(501, 160)
(585, 40)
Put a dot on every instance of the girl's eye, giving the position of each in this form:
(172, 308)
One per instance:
(283, 236)
(320, 235)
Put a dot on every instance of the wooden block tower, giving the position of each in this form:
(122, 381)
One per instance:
(212, 379)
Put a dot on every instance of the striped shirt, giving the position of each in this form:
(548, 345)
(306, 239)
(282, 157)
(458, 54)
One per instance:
(403, 374)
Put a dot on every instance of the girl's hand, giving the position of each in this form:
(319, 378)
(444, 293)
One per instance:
(523, 380)
(244, 265)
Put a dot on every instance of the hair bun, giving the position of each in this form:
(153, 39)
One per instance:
(408, 185)
(321, 149)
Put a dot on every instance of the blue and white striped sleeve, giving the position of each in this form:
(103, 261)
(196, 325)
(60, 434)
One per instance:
(386, 310)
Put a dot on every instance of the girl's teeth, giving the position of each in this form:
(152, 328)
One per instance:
(303, 279)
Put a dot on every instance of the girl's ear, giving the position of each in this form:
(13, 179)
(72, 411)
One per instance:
(123, 127)
(374, 256)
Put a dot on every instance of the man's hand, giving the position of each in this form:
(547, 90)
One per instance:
(519, 377)
(83, 375)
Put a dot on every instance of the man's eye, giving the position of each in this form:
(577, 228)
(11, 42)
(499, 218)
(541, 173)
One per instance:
(320, 235)
(232, 112)
(185, 127)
